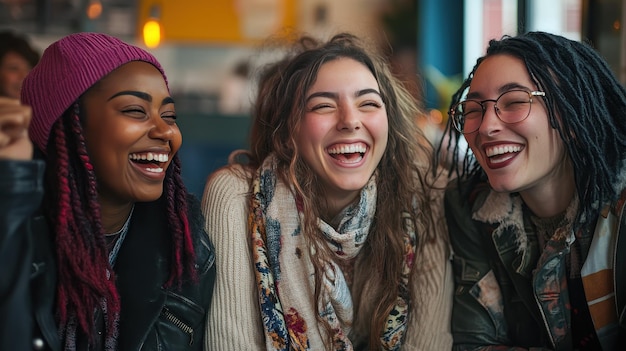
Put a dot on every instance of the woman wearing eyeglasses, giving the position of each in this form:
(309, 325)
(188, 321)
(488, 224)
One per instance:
(536, 214)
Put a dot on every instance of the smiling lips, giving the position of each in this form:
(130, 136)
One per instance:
(150, 158)
(502, 153)
(348, 153)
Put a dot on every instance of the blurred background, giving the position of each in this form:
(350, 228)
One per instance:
(210, 49)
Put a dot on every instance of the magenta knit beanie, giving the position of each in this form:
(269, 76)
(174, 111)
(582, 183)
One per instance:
(68, 68)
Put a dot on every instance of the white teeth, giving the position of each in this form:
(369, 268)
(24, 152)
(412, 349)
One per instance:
(499, 150)
(150, 156)
(155, 170)
(348, 149)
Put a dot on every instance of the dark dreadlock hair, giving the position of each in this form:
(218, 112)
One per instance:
(586, 105)
(86, 281)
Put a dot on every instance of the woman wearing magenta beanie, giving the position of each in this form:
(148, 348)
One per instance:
(121, 258)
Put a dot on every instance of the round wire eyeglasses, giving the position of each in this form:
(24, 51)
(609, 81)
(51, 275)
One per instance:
(512, 106)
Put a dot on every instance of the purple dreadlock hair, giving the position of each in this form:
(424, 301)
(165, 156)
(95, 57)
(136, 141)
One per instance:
(86, 281)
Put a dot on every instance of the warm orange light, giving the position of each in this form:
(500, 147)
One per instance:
(435, 116)
(152, 33)
(94, 10)
(617, 25)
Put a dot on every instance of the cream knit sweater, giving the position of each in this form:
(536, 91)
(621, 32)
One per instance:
(234, 321)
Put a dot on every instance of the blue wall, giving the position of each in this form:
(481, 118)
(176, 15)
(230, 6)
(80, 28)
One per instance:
(207, 142)
(440, 42)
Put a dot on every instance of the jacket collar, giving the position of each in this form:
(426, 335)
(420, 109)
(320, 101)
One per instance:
(505, 211)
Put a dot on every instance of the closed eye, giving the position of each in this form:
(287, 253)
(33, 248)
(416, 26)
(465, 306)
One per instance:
(171, 119)
(322, 107)
(134, 112)
(372, 104)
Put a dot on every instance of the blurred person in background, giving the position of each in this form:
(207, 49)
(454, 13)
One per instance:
(331, 236)
(17, 58)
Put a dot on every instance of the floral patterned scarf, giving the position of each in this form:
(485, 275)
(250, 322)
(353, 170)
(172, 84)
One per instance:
(282, 262)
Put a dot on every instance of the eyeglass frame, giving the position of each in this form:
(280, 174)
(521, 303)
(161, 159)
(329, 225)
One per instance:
(495, 108)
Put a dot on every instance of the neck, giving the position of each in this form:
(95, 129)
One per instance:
(114, 217)
(552, 198)
(337, 203)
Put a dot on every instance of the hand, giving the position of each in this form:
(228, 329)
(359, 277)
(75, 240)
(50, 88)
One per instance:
(14, 122)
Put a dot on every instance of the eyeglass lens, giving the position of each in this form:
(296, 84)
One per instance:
(511, 107)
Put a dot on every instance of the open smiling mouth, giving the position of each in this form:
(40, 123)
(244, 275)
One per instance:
(348, 153)
(150, 161)
(500, 154)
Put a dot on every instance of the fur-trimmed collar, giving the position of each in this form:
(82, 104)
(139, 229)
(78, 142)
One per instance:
(505, 210)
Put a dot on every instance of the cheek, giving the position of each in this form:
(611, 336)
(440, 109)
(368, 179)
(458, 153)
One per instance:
(101, 141)
(108, 144)
(556, 143)
(379, 128)
(13, 78)
(177, 140)
(94, 143)
(312, 130)
(471, 142)
(382, 140)
(304, 141)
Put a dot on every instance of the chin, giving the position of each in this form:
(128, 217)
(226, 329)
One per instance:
(148, 196)
(503, 187)
(352, 186)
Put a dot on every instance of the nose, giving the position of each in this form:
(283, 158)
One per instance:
(490, 123)
(348, 119)
(161, 129)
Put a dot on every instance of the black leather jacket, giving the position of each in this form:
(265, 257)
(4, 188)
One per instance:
(501, 289)
(152, 318)
(21, 190)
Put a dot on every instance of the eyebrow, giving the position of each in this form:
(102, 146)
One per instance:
(502, 89)
(141, 95)
(335, 95)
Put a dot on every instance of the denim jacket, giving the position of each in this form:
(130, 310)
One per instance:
(508, 296)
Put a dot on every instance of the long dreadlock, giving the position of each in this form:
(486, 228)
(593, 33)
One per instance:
(86, 281)
(586, 105)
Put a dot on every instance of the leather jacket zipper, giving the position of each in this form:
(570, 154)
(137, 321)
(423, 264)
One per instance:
(178, 323)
